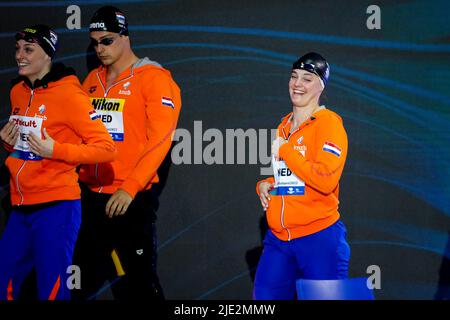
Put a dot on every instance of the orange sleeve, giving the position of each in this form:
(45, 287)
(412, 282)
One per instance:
(269, 180)
(161, 124)
(323, 172)
(97, 145)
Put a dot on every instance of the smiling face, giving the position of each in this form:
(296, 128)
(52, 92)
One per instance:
(305, 88)
(32, 60)
(109, 46)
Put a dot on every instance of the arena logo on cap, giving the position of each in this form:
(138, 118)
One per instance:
(96, 25)
(30, 30)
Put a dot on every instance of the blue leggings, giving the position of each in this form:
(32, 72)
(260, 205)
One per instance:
(322, 255)
(44, 239)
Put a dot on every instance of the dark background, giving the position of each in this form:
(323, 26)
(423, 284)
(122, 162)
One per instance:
(232, 61)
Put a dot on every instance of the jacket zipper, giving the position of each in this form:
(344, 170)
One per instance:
(22, 199)
(282, 218)
(106, 90)
(282, 197)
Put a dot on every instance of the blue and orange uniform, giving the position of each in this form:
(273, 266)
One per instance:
(42, 229)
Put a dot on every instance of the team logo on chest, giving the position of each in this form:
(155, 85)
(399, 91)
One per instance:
(125, 87)
(41, 110)
(302, 148)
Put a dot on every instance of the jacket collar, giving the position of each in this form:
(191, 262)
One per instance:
(286, 122)
(57, 72)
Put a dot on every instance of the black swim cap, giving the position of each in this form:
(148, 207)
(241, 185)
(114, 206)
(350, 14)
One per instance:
(315, 63)
(110, 19)
(41, 34)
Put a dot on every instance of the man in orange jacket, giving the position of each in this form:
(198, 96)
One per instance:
(306, 239)
(139, 103)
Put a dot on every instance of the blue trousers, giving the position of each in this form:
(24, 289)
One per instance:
(45, 239)
(322, 255)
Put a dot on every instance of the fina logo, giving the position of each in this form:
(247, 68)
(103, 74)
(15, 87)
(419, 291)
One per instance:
(97, 25)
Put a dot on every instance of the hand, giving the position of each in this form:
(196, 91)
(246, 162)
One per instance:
(10, 133)
(264, 188)
(43, 148)
(118, 203)
(276, 145)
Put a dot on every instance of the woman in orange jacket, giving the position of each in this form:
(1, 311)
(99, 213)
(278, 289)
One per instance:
(52, 129)
(306, 239)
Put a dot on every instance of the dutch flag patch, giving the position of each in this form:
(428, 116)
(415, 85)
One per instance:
(167, 102)
(93, 115)
(332, 148)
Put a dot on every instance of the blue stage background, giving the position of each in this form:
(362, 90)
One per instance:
(232, 61)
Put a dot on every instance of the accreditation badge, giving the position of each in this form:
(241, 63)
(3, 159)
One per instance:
(286, 182)
(111, 112)
(26, 126)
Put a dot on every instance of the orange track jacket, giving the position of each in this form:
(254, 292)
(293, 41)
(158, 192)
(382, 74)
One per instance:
(323, 140)
(59, 103)
(140, 110)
